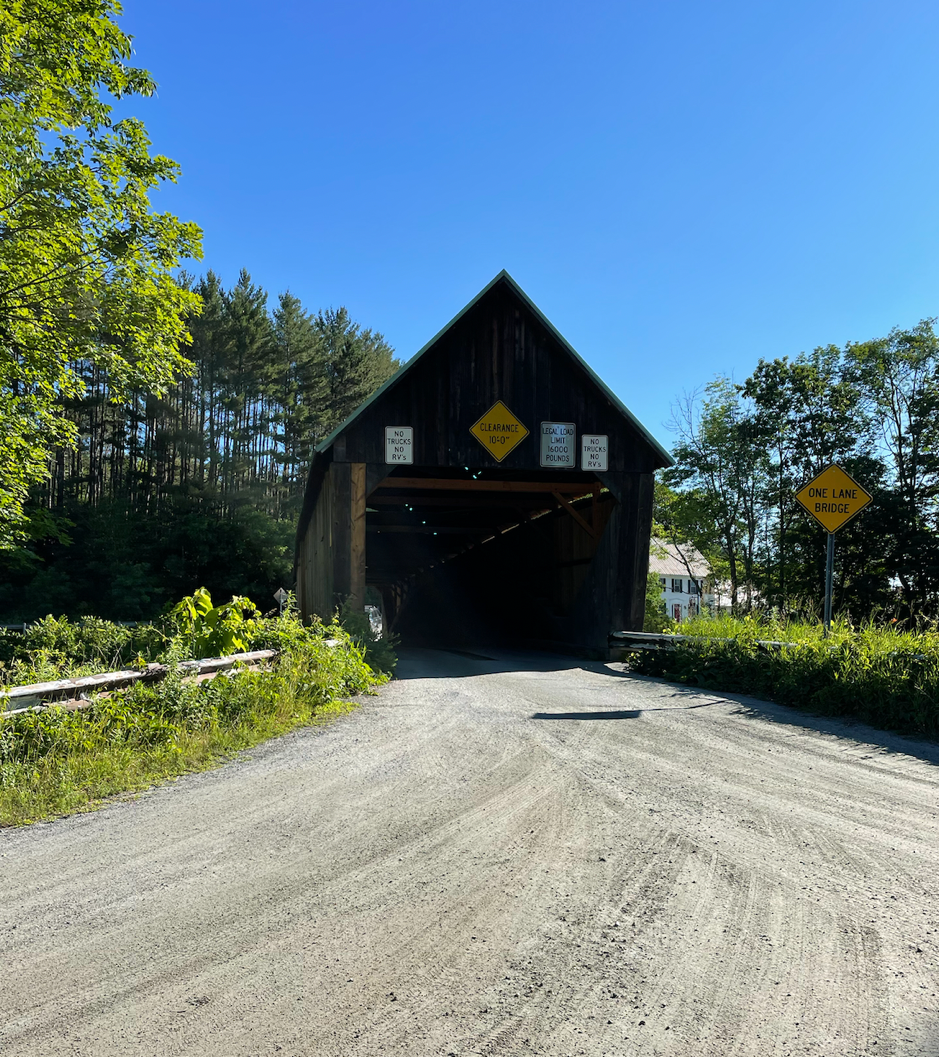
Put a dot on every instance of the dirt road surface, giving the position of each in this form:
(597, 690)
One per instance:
(524, 854)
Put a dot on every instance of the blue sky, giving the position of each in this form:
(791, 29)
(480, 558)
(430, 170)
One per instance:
(681, 186)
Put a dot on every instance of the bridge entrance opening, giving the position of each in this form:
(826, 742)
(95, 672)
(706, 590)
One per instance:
(493, 491)
(483, 559)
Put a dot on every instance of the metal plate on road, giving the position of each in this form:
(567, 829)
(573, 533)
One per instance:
(833, 498)
(499, 431)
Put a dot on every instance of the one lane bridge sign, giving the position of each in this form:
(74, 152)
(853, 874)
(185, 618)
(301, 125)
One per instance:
(833, 498)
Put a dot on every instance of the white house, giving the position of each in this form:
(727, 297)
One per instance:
(684, 576)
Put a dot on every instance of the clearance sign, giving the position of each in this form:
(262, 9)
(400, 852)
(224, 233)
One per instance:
(499, 431)
(833, 498)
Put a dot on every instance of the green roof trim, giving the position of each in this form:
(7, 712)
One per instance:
(594, 377)
(547, 324)
(405, 367)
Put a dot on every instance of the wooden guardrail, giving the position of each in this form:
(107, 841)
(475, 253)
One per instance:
(76, 692)
(636, 641)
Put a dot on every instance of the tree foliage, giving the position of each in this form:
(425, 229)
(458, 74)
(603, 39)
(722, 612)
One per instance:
(85, 266)
(200, 484)
(744, 450)
(718, 464)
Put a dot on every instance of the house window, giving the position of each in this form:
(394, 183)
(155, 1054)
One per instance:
(692, 607)
(662, 582)
(693, 587)
(677, 585)
(676, 612)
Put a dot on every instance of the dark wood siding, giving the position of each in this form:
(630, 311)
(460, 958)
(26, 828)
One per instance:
(445, 553)
(498, 351)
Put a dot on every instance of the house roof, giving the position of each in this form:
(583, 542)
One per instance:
(503, 277)
(671, 562)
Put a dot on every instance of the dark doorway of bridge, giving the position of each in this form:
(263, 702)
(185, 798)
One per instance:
(484, 558)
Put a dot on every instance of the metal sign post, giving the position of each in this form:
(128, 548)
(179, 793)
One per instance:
(829, 571)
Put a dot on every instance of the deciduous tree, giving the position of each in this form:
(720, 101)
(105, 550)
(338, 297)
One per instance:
(86, 269)
(719, 463)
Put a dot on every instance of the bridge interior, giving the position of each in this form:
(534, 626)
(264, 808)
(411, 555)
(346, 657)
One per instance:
(482, 556)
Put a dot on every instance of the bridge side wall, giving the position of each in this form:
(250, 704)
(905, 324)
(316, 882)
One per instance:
(331, 552)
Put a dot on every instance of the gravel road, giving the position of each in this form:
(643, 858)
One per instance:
(500, 854)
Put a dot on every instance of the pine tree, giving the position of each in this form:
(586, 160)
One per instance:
(250, 369)
(358, 362)
(302, 390)
(209, 352)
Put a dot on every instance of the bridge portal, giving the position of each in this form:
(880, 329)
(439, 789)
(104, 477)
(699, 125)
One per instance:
(493, 490)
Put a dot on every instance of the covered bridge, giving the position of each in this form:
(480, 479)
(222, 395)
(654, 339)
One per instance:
(493, 490)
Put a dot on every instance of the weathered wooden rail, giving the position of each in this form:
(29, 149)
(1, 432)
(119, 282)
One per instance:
(637, 641)
(76, 692)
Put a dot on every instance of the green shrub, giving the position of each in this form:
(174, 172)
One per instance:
(56, 648)
(880, 676)
(656, 619)
(214, 631)
(55, 760)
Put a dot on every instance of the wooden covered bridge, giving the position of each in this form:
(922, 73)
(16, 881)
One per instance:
(493, 490)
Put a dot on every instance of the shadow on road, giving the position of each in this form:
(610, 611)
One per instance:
(881, 741)
(614, 714)
(611, 714)
(441, 663)
(447, 663)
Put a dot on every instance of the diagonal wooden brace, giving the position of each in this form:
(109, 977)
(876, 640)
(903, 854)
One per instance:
(576, 515)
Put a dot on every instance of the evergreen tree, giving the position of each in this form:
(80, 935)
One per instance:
(199, 484)
(357, 363)
(210, 353)
(250, 372)
(302, 390)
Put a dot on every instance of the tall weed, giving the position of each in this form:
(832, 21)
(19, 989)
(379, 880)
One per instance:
(56, 760)
(57, 648)
(884, 677)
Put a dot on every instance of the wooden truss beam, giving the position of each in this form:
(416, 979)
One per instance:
(443, 484)
(427, 530)
(576, 515)
(533, 501)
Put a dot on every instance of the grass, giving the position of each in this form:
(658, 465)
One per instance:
(881, 676)
(57, 648)
(54, 785)
(55, 762)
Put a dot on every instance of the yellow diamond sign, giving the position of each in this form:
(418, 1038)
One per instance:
(833, 498)
(499, 431)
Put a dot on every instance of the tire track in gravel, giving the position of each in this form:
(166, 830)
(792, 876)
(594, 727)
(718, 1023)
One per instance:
(442, 873)
(835, 857)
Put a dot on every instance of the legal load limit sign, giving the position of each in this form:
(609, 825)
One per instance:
(833, 498)
(499, 431)
(557, 444)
